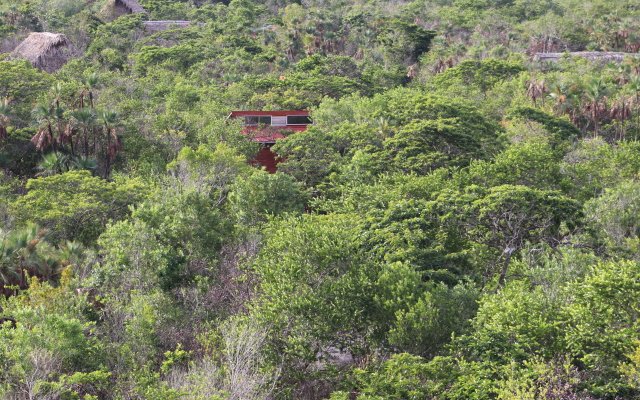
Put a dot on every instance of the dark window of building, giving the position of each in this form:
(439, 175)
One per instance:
(298, 120)
(257, 120)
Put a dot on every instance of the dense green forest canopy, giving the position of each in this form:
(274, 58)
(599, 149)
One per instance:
(461, 221)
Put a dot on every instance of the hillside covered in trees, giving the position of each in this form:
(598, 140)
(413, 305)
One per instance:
(461, 221)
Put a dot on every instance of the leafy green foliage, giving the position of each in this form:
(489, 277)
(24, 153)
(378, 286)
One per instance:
(405, 41)
(263, 195)
(179, 57)
(433, 210)
(22, 84)
(314, 275)
(504, 218)
(77, 205)
(602, 315)
(481, 74)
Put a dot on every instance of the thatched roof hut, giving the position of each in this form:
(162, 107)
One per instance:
(46, 51)
(117, 8)
(605, 56)
(157, 26)
(128, 7)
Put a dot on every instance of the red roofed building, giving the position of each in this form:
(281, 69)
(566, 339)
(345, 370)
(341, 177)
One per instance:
(268, 126)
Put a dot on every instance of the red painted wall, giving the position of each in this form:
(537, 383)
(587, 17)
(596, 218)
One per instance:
(267, 159)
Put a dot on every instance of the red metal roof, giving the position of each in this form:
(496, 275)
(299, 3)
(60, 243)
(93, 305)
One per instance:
(272, 113)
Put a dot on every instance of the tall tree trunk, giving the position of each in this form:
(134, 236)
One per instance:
(86, 142)
(53, 140)
(637, 121)
(108, 163)
(505, 267)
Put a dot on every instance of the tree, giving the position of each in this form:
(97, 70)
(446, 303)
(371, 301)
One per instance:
(616, 213)
(110, 120)
(44, 355)
(189, 222)
(595, 106)
(44, 116)
(5, 117)
(132, 259)
(315, 288)
(633, 87)
(561, 129)
(423, 146)
(26, 250)
(411, 232)
(9, 272)
(565, 99)
(57, 92)
(53, 163)
(309, 155)
(594, 165)
(76, 205)
(85, 120)
(506, 218)
(207, 171)
(482, 74)
(537, 89)
(262, 195)
(88, 86)
(533, 162)
(403, 376)
(600, 321)
(621, 111)
(22, 83)
(84, 163)
(405, 41)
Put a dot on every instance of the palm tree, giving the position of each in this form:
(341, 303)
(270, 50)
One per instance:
(621, 111)
(537, 90)
(47, 261)
(72, 254)
(308, 41)
(328, 44)
(596, 101)
(565, 98)
(440, 50)
(633, 87)
(620, 72)
(53, 163)
(85, 120)
(5, 116)
(9, 274)
(23, 244)
(110, 120)
(84, 163)
(88, 86)
(621, 32)
(44, 116)
(633, 44)
(58, 115)
(57, 93)
(634, 65)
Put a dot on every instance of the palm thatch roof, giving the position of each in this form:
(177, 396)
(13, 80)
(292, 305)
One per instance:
(605, 56)
(117, 8)
(46, 51)
(132, 5)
